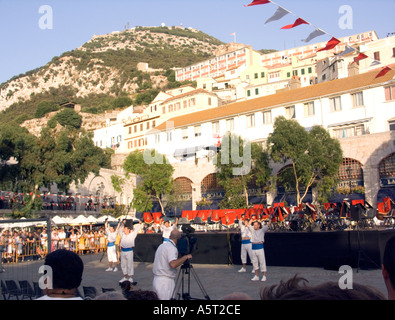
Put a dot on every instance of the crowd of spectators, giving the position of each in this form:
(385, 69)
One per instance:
(22, 245)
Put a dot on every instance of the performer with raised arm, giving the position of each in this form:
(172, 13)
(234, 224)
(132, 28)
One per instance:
(258, 253)
(111, 248)
(246, 246)
(128, 233)
(167, 227)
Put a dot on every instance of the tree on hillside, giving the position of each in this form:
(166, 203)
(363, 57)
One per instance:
(314, 156)
(60, 155)
(238, 163)
(155, 178)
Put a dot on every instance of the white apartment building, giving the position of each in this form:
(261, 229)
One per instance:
(359, 111)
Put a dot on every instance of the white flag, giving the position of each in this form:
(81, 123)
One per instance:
(314, 34)
(281, 12)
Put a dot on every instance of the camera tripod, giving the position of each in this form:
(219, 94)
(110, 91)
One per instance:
(186, 270)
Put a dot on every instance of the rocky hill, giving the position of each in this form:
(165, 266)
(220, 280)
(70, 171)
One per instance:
(104, 73)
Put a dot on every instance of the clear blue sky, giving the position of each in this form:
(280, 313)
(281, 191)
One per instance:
(24, 46)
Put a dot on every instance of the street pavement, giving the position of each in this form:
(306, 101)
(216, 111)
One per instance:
(216, 281)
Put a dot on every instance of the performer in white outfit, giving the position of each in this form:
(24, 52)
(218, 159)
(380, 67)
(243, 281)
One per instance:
(165, 266)
(258, 252)
(111, 248)
(128, 234)
(166, 227)
(246, 246)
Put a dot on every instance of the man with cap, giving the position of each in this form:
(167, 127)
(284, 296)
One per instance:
(166, 227)
(128, 234)
(111, 248)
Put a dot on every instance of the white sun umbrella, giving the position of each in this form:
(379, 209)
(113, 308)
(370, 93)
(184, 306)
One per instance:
(103, 218)
(58, 220)
(80, 220)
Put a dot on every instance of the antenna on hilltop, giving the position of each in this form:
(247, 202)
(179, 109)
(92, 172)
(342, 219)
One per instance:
(127, 26)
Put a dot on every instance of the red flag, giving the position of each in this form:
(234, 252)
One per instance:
(298, 22)
(360, 57)
(331, 44)
(256, 2)
(383, 72)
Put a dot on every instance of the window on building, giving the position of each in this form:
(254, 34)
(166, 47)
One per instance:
(148, 124)
(215, 127)
(295, 73)
(230, 124)
(390, 93)
(256, 91)
(335, 104)
(393, 52)
(185, 103)
(209, 101)
(170, 108)
(177, 106)
(310, 70)
(135, 128)
(141, 127)
(157, 138)
(267, 117)
(153, 124)
(184, 133)
(250, 120)
(303, 71)
(290, 112)
(350, 131)
(198, 131)
(357, 99)
(377, 56)
(248, 93)
(169, 136)
(391, 125)
(192, 102)
(262, 74)
(130, 130)
(255, 75)
(163, 110)
(288, 74)
(309, 109)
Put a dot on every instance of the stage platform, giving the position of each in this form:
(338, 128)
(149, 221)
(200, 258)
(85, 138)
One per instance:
(323, 249)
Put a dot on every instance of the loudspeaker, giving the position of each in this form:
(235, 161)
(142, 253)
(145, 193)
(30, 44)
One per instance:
(355, 213)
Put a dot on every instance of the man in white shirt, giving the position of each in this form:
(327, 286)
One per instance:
(128, 234)
(166, 227)
(258, 253)
(65, 276)
(246, 246)
(165, 266)
(111, 248)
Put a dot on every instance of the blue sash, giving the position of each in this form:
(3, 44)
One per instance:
(257, 246)
(110, 244)
(166, 239)
(246, 241)
(126, 249)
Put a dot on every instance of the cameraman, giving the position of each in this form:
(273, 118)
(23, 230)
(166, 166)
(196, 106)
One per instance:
(165, 266)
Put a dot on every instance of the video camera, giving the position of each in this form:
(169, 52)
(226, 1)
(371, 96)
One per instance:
(186, 244)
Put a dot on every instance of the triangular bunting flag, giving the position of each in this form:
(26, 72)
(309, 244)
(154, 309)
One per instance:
(375, 63)
(360, 57)
(347, 51)
(313, 35)
(281, 12)
(256, 2)
(383, 72)
(298, 22)
(331, 44)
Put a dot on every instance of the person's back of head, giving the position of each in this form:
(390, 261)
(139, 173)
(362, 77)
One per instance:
(389, 266)
(110, 295)
(275, 292)
(67, 268)
(142, 295)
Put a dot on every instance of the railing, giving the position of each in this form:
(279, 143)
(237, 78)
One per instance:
(38, 249)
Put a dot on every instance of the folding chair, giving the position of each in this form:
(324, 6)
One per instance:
(13, 289)
(4, 290)
(26, 289)
(37, 290)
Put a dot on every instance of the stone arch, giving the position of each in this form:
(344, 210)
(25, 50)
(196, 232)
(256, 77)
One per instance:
(183, 184)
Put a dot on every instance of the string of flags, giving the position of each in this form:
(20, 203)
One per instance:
(281, 12)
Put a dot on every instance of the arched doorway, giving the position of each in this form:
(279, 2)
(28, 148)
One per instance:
(183, 195)
(211, 191)
(351, 182)
(387, 178)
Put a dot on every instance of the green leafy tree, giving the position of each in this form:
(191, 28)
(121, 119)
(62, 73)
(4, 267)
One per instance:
(313, 156)
(238, 163)
(69, 118)
(155, 178)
